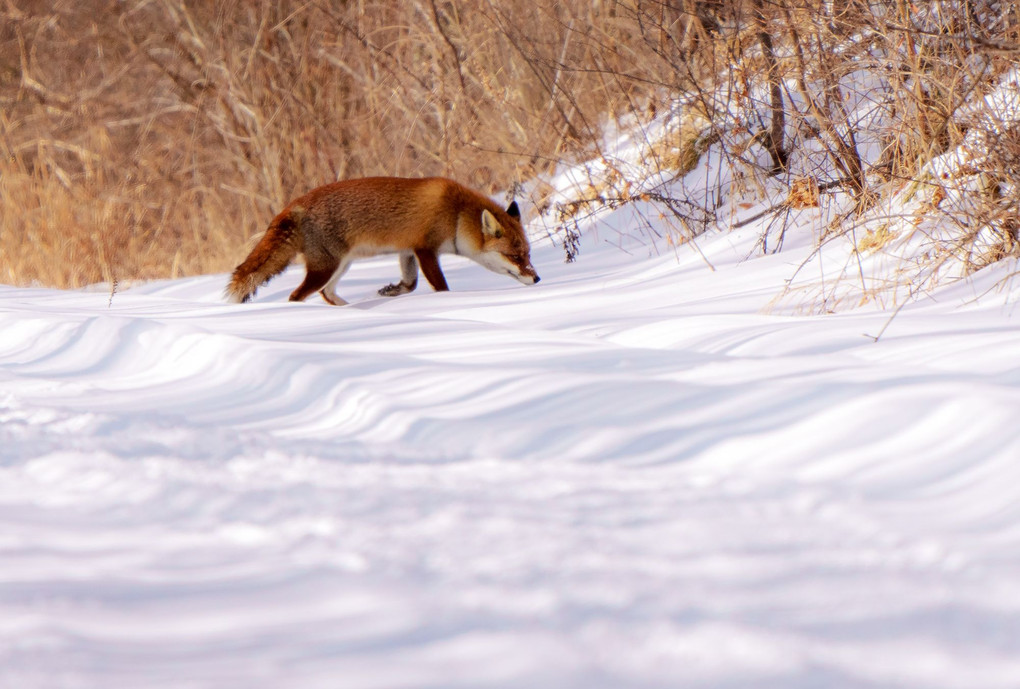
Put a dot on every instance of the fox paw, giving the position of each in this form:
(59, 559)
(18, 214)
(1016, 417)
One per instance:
(396, 289)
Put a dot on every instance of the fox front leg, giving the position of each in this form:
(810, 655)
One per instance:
(408, 276)
(430, 266)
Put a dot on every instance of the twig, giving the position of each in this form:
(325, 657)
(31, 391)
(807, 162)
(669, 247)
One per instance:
(889, 321)
(784, 205)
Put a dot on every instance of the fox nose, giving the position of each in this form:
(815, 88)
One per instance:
(537, 279)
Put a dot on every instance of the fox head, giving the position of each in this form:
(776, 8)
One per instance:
(505, 247)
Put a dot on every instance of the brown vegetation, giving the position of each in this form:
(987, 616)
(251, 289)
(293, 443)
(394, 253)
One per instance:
(144, 139)
(153, 138)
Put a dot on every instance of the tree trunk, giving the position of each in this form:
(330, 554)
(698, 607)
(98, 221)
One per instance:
(774, 136)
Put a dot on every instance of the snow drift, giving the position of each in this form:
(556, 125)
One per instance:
(628, 475)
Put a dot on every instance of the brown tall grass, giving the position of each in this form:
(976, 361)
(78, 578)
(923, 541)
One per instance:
(152, 138)
(144, 139)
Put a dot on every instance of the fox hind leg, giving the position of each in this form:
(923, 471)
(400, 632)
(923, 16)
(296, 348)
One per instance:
(329, 291)
(323, 280)
(314, 280)
(408, 276)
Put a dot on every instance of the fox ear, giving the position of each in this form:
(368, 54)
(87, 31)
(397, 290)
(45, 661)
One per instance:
(490, 226)
(513, 211)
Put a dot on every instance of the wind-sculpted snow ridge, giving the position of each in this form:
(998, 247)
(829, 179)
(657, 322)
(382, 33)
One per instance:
(627, 475)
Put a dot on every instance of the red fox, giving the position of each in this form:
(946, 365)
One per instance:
(417, 219)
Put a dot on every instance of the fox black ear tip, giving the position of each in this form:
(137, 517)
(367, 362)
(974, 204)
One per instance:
(513, 211)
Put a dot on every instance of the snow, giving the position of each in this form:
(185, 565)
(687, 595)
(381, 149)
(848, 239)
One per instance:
(634, 474)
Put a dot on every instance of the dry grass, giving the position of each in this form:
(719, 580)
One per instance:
(143, 139)
(873, 240)
(154, 138)
(804, 193)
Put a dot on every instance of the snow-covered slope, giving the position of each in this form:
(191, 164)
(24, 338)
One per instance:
(628, 475)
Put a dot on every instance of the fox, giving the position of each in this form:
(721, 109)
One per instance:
(416, 218)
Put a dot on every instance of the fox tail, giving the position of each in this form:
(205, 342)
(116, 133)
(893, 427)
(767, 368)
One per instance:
(274, 252)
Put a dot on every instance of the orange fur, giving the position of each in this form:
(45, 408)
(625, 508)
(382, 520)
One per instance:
(416, 218)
